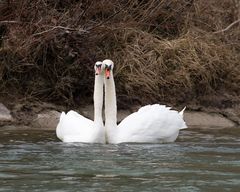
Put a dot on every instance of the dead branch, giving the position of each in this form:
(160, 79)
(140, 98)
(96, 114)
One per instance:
(228, 27)
(3, 22)
(59, 27)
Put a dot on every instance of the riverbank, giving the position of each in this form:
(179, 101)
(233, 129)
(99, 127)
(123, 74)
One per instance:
(45, 116)
(178, 53)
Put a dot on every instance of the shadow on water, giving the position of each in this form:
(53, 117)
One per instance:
(200, 160)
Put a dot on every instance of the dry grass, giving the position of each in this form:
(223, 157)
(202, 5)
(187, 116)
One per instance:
(163, 50)
(152, 69)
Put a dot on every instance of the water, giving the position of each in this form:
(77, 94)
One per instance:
(200, 160)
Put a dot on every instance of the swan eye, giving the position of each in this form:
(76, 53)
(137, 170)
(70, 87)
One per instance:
(108, 67)
(98, 65)
(98, 68)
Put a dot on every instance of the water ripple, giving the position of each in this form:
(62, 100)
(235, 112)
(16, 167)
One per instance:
(198, 161)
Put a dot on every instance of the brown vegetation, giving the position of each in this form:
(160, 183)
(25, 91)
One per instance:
(164, 51)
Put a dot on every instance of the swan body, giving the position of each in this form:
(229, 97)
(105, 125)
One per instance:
(150, 124)
(73, 127)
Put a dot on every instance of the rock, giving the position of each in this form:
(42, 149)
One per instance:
(207, 120)
(50, 119)
(233, 114)
(47, 120)
(5, 113)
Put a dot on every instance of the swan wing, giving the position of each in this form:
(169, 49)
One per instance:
(152, 123)
(181, 113)
(74, 127)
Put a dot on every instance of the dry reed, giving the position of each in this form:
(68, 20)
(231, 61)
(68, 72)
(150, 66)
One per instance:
(164, 51)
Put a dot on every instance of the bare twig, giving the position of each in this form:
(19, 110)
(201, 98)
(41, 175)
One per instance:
(84, 11)
(109, 18)
(228, 27)
(2, 22)
(59, 27)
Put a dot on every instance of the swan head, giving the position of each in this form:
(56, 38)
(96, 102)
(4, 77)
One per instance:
(108, 66)
(98, 67)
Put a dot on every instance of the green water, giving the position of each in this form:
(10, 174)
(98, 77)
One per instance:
(200, 160)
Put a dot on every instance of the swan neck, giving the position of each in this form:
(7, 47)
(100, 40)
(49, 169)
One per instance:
(98, 100)
(110, 103)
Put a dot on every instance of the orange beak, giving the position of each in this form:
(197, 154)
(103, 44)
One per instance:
(107, 73)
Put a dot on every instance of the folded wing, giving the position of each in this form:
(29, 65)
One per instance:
(152, 123)
(73, 127)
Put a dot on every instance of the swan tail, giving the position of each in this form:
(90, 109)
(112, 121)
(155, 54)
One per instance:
(181, 112)
(184, 126)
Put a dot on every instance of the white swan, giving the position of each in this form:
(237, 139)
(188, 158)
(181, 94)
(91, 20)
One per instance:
(73, 127)
(151, 124)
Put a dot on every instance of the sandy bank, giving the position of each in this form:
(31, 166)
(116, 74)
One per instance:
(46, 116)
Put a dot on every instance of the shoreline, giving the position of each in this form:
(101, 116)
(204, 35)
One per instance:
(45, 116)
